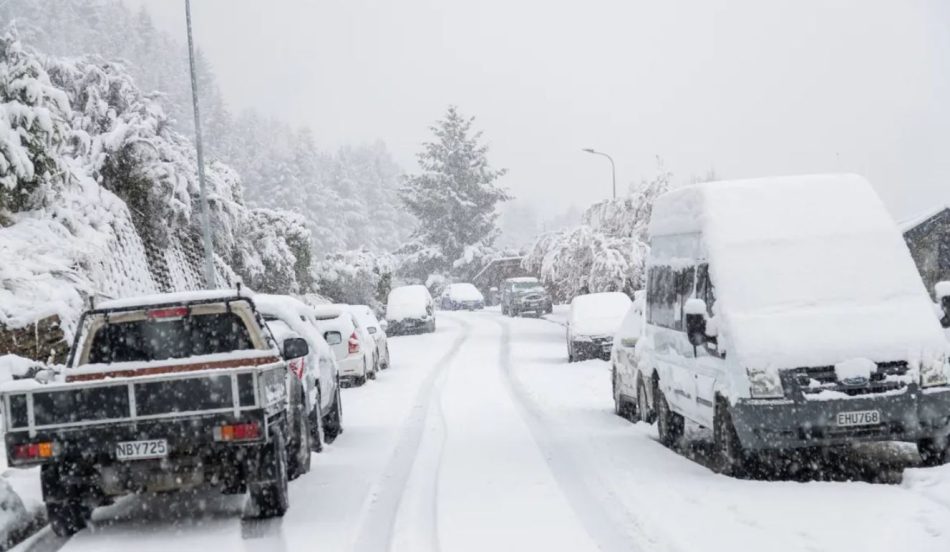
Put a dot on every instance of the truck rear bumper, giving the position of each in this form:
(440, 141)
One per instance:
(787, 424)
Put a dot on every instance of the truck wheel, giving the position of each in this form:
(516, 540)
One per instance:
(643, 405)
(67, 518)
(298, 458)
(933, 452)
(333, 423)
(730, 458)
(669, 424)
(269, 489)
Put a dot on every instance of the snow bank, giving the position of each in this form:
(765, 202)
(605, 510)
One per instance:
(598, 313)
(809, 270)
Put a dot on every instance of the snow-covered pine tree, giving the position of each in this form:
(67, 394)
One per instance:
(455, 197)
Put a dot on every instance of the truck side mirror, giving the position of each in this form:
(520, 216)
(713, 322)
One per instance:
(295, 347)
(695, 310)
(333, 338)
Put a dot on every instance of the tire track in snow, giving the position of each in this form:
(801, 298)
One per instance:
(594, 502)
(376, 530)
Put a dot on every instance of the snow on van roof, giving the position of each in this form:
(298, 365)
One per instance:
(177, 297)
(808, 270)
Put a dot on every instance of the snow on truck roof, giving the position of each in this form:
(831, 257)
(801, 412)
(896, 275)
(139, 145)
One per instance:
(178, 297)
(808, 270)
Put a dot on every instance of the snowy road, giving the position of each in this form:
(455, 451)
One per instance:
(482, 437)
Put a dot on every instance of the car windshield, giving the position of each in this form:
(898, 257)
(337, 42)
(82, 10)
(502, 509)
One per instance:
(162, 339)
(527, 286)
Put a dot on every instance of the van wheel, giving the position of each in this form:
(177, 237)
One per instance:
(645, 413)
(730, 458)
(933, 452)
(268, 491)
(67, 518)
(669, 424)
(333, 423)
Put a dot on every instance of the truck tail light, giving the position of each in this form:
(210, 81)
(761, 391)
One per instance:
(249, 431)
(354, 344)
(173, 312)
(34, 451)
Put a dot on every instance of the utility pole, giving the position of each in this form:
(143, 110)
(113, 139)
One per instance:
(613, 168)
(205, 216)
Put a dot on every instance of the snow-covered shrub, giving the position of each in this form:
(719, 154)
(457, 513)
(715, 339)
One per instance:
(605, 253)
(356, 277)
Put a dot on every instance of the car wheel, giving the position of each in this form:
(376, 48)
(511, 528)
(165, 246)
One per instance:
(298, 460)
(359, 381)
(333, 423)
(268, 492)
(646, 413)
(933, 452)
(669, 424)
(385, 365)
(620, 409)
(371, 374)
(730, 458)
(570, 353)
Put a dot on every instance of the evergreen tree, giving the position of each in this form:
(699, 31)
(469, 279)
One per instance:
(455, 197)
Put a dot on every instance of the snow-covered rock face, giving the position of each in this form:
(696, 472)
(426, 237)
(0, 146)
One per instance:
(808, 271)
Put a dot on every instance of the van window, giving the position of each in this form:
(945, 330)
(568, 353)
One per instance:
(704, 287)
(667, 293)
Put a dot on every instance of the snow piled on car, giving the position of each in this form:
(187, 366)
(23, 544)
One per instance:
(598, 314)
(806, 260)
(407, 302)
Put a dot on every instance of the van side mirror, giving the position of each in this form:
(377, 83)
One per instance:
(333, 338)
(295, 347)
(695, 310)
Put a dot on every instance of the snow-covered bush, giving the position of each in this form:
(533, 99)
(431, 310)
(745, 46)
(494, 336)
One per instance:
(605, 253)
(356, 277)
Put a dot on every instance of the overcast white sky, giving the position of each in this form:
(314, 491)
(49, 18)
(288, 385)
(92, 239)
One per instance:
(749, 87)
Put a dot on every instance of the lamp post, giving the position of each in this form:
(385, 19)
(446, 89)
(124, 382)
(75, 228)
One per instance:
(613, 168)
(205, 216)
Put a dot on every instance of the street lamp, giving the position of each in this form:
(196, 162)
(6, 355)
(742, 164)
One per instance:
(613, 168)
(205, 217)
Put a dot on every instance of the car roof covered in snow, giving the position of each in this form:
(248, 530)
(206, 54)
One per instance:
(174, 298)
(808, 270)
(327, 312)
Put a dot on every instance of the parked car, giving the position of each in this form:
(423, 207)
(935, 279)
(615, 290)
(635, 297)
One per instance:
(524, 295)
(410, 309)
(354, 351)
(366, 341)
(624, 358)
(462, 296)
(287, 317)
(160, 393)
(592, 322)
(368, 319)
(787, 313)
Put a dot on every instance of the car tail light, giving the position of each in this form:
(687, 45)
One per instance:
(250, 431)
(354, 344)
(34, 451)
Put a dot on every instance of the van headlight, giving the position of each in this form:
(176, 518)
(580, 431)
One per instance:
(765, 384)
(934, 372)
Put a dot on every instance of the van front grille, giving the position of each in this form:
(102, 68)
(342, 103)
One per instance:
(812, 380)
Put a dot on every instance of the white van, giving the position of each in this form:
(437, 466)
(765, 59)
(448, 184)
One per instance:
(786, 313)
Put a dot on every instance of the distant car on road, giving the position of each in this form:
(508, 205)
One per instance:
(367, 318)
(592, 323)
(410, 309)
(462, 296)
(355, 352)
(523, 295)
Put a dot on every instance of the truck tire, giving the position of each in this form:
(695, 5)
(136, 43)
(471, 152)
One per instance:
(268, 491)
(669, 424)
(333, 422)
(730, 459)
(298, 457)
(67, 518)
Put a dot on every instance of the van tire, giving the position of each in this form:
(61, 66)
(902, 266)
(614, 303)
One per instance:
(730, 459)
(933, 452)
(669, 424)
(644, 412)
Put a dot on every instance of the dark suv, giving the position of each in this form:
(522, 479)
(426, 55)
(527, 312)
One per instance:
(524, 295)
